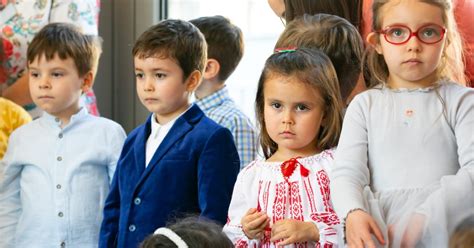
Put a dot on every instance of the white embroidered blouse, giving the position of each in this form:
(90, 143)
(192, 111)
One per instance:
(305, 196)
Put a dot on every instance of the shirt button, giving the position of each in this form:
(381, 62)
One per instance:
(132, 228)
(63, 244)
(59, 158)
(58, 186)
(60, 214)
(137, 201)
(60, 135)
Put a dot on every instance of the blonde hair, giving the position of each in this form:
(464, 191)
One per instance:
(452, 61)
(311, 67)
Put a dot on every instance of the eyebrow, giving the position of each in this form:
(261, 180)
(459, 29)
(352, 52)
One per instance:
(294, 103)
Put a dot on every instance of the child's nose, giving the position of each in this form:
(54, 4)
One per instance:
(288, 118)
(414, 44)
(44, 83)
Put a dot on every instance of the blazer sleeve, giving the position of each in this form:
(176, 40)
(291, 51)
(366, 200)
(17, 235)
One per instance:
(218, 167)
(109, 228)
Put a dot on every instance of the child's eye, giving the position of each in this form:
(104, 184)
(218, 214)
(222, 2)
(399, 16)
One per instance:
(160, 75)
(34, 74)
(301, 107)
(139, 75)
(56, 74)
(275, 105)
(430, 32)
(397, 32)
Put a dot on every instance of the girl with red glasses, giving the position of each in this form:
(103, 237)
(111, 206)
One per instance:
(404, 168)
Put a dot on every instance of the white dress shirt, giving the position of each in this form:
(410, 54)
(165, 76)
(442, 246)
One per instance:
(157, 135)
(56, 181)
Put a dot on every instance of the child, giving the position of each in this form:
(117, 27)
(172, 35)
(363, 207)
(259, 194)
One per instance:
(58, 167)
(224, 51)
(189, 232)
(406, 148)
(463, 236)
(299, 110)
(336, 37)
(179, 161)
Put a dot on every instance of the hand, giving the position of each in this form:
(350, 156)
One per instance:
(413, 231)
(359, 226)
(253, 223)
(294, 231)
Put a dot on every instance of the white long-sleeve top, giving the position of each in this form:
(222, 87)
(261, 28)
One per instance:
(261, 185)
(56, 181)
(399, 154)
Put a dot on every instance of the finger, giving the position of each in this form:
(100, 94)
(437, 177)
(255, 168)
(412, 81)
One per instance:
(287, 241)
(355, 243)
(368, 242)
(257, 222)
(251, 211)
(278, 236)
(376, 231)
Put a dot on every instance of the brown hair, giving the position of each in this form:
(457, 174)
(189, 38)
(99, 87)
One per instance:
(175, 39)
(96, 43)
(451, 66)
(310, 67)
(350, 10)
(65, 40)
(224, 42)
(333, 35)
(463, 236)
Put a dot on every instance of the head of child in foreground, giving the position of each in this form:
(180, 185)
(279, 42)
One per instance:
(298, 103)
(225, 46)
(333, 35)
(60, 62)
(169, 59)
(196, 233)
(414, 43)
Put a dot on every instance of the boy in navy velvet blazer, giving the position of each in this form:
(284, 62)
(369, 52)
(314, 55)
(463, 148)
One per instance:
(179, 161)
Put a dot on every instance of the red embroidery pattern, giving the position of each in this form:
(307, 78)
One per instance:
(278, 210)
(296, 209)
(323, 181)
(241, 244)
(328, 218)
(310, 194)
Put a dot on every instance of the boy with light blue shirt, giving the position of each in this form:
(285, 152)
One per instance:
(225, 49)
(58, 168)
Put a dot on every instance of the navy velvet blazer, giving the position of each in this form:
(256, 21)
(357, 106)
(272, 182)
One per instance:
(192, 171)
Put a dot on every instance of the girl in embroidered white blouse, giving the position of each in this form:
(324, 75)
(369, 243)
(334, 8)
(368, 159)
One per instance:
(284, 200)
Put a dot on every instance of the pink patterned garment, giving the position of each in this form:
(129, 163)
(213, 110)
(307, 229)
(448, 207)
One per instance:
(22, 19)
(304, 195)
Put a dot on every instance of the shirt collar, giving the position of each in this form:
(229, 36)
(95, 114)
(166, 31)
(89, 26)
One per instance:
(215, 99)
(51, 119)
(157, 127)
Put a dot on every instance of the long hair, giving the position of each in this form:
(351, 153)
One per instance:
(312, 67)
(451, 65)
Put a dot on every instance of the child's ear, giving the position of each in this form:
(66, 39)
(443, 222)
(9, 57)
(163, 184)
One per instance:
(87, 81)
(212, 69)
(193, 81)
(374, 41)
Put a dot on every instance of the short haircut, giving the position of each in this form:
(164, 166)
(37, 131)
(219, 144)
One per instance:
(174, 39)
(333, 35)
(96, 43)
(224, 42)
(65, 40)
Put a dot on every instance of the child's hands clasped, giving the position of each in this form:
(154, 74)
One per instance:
(294, 231)
(254, 223)
(359, 227)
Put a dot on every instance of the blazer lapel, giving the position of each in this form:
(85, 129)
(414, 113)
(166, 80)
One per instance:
(140, 145)
(183, 125)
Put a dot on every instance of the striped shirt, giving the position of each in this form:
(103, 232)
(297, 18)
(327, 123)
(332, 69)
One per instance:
(222, 109)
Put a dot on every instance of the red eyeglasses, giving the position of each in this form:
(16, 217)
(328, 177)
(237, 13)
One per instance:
(400, 34)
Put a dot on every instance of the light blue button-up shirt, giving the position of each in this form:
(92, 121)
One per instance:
(55, 181)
